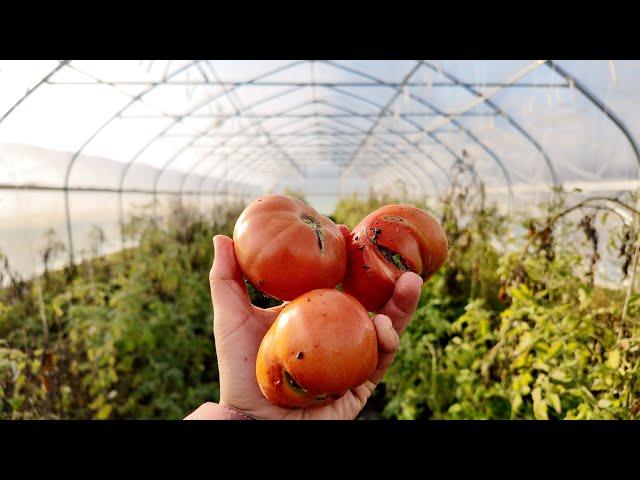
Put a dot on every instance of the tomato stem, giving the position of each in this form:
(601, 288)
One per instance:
(318, 230)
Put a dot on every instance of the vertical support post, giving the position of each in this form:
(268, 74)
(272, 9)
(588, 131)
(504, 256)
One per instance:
(69, 231)
(200, 208)
(121, 218)
(155, 206)
(226, 182)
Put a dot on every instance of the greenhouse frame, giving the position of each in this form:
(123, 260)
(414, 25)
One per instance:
(79, 133)
(320, 239)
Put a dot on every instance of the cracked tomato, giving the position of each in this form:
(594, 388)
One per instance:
(286, 248)
(388, 242)
(321, 345)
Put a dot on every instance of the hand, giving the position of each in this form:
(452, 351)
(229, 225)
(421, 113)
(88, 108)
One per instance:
(239, 327)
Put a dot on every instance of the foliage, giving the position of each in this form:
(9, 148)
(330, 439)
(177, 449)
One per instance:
(127, 336)
(513, 326)
(521, 333)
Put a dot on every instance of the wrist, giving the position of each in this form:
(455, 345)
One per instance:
(232, 411)
(216, 411)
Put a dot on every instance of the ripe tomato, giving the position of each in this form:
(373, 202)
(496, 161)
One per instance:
(322, 344)
(285, 248)
(385, 244)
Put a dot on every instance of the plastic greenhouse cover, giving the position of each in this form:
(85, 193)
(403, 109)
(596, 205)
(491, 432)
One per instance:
(86, 140)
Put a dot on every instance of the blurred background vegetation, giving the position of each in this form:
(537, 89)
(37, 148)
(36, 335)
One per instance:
(512, 326)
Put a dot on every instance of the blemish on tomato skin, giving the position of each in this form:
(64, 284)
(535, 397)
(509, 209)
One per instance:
(366, 267)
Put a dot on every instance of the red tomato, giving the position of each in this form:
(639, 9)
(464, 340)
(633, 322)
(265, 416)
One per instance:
(321, 345)
(385, 244)
(286, 248)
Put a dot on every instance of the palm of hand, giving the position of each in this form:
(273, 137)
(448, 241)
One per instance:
(239, 328)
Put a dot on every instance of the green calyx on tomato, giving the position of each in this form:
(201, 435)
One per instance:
(318, 230)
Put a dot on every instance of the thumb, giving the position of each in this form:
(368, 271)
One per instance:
(402, 305)
(228, 291)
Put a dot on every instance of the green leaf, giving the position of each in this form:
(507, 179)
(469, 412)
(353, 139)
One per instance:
(539, 405)
(604, 403)
(541, 294)
(521, 292)
(554, 349)
(527, 341)
(588, 395)
(516, 403)
(554, 398)
(613, 360)
(104, 412)
(559, 376)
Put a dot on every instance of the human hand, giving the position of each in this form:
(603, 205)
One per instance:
(239, 328)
